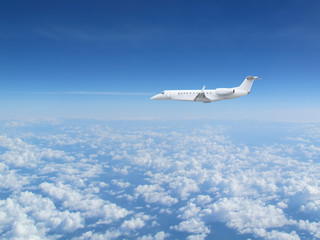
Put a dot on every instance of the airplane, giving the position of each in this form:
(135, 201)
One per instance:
(206, 95)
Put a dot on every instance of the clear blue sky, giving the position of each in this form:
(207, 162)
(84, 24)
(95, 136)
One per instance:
(148, 46)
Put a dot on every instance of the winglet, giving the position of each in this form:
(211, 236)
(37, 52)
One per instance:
(202, 90)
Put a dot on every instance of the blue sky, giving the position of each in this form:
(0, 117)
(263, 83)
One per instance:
(148, 46)
(232, 172)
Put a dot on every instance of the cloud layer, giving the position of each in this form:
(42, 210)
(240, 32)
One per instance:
(92, 180)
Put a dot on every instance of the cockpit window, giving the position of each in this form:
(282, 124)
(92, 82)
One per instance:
(162, 93)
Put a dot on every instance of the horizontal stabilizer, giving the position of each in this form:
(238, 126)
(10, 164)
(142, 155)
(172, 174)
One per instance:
(253, 78)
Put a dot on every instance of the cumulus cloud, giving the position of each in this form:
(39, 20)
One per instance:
(109, 234)
(312, 227)
(249, 216)
(155, 194)
(184, 186)
(30, 216)
(189, 211)
(89, 205)
(120, 183)
(136, 222)
(311, 206)
(132, 224)
(21, 154)
(124, 170)
(278, 235)
(9, 179)
(203, 199)
(87, 171)
(193, 225)
(158, 236)
(43, 209)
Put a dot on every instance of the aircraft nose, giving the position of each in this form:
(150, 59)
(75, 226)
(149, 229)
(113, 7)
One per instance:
(156, 97)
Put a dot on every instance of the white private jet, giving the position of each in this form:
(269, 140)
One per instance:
(207, 96)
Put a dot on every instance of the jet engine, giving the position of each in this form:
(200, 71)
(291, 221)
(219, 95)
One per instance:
(224, 91)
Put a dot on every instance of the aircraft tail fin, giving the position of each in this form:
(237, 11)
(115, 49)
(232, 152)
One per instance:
(247, 83)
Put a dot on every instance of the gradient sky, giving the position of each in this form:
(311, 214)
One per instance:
(51, 50)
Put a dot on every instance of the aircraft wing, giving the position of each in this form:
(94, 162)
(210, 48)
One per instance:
(201, 97)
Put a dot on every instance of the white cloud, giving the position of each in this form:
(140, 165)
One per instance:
(109, 234)
(120, 183)
(155, 194)
(132, 224)
(193, 225)
(189, 211)
(43, 209)
(249, 216)
(184, 186)
(203, 199)
(277, 235)
(201, 164)
(252, 189)
(282, 205)
(24, 229)
(21, 154)
(298, 139)
(124, 170)
(10, 179)
(201, 236)
(111, 212)
(158, 236)
(30, 216)
(89, 205)
(311, 131)
(136, 222)
(312, 227)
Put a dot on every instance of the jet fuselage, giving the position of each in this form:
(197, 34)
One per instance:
(194, 95)
(209, 95)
